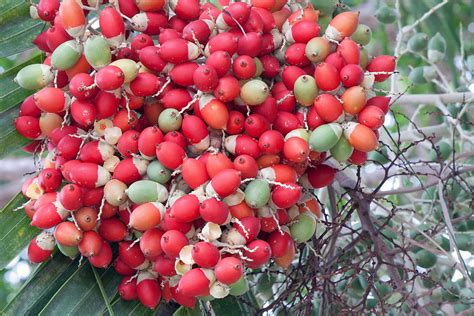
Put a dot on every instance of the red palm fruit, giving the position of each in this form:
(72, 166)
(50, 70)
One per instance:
(247, 166)
(176, 98)
(52, 100)
(168, 34)
(145, 84)
(229, 270)
(49, 179)
(81, 86)
(128, 7)
(255, 23)
(186, 301)
(147, 216)
(185, 209)
(170, 154)
(109, 78)
(271, 142)
(86, 218)
(336, 60)
(268, 109)
(108, 210)
(68, 147)
(96, 152)
(81, 66)
(342, 25)
(89, 175)
(112, 229)
(194, 283)
(164, 266)
(266, 16)
(289, 76)
(321, 176)
(70, 197)
(287, 195)
(225, 41)
(172, 242)
(128, 289)
(213, 111)
(279, 243)
(152, 110)
(259, 251)
(354, 99)
(371, 116)
(296, 149)
(106, 104)
(112, 26)
(286, 260)
(250, 45)
(123, 269)
(92, 197)
(285, 100)
(303, 31)
(351, 75)
(217, 163)
(328, 107)
(214, 211)
(130, 170)
(28, 127)
(224, 183)
(361, 137)
(182, 74)
(41, 247)
(350, 51)
(141, 41)
(83, 112)
(256, 125)
(149, 23)
(150, 5)
(235, 124)
(58, 133)
(47, 9)
(249, 227)
(128, 143)
(169, 223)
(150, 243)
(237, 13)
(67, 234)
(148, 290)
(29, 208)
(327, 77)
(178, 51)
(72, 18)
(199, 30)
(285, 122)
(220, 61)
(271, 66)
(29, 108)
(205, 78)
(188, 10)
(131, 255)
(242, 144)
(46, 198)
(91, 244)
(125, 120)
(358, 157)
(382, 63)
(103, 259)
(244, 67)
(194, 172)
(55, 36)
(295, 55)
(147, 141)
(150, 57)
(227, 89)
(205, 254)
(241, 210)
(381, 102)
(48, 216)
(194, 129)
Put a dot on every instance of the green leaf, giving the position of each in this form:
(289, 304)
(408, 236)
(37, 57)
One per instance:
(11, 142)
(186, 311)
(17, 29)
(230, 306)
(15, 231)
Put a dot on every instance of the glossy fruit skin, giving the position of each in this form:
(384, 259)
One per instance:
(205, 254)
(149, 292)
(229, 270)
(172, 241)
(327, 77)
(260, 253)
(103, 258)
(128, 289)
(150, 243)
(67, 234)
(41, 247)
(382, 63)
(91, 244)
(213, 210)
(194, 283)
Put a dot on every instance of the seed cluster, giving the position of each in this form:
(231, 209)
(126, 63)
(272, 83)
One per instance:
(192, 137)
